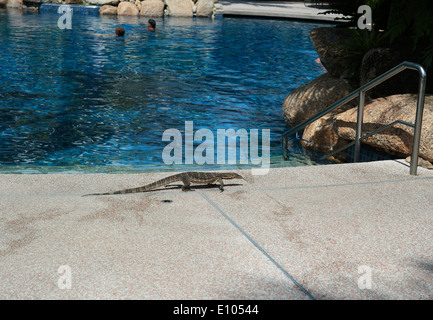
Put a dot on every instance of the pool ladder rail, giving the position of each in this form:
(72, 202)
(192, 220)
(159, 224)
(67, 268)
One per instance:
(360, 92)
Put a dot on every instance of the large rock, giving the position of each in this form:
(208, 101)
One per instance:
(103, 2)
(127, 9)
(204, 8)
(306, 101)
(179, 8)
(329, 43)
(152, 8)
(108, 10)
(378, 61)
(396, 139)
(14, 3)
(321, 135)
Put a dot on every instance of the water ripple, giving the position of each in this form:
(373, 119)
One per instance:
(82, 97)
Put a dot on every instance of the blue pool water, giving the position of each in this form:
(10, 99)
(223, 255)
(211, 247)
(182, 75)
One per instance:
(82, 99)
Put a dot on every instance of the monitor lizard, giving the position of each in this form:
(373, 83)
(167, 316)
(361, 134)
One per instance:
(186, 177)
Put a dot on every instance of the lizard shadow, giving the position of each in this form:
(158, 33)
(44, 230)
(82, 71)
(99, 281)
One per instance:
(194, 187)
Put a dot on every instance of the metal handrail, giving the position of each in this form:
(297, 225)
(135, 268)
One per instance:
(360, 92)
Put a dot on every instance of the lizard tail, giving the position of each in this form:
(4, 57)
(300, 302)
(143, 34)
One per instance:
(96, 194)
(148, 187)
(126, 191)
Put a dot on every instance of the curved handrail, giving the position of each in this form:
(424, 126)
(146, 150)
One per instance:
(360, 92)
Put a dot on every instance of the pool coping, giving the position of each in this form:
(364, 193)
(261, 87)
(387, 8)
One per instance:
(275, 9)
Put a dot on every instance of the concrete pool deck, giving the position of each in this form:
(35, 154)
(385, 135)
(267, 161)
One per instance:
(322, 232)
(275, 9)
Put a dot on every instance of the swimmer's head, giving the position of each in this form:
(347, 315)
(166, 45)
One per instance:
(151, 25)
(120, 32)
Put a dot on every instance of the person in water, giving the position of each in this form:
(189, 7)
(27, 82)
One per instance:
(151, 25)
(120, 32)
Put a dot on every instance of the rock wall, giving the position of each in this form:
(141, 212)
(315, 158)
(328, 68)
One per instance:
(148, 8)
(13, 3)
(152, 8)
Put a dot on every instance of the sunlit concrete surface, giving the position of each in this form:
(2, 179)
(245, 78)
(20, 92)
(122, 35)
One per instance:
(276, 9)
(351, 231)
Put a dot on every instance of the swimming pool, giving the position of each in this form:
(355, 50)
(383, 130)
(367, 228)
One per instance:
(81, 100)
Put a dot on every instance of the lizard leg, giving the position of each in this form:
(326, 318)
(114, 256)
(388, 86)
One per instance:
(220, 180)
(186, 188)
(212, 183)
(186, 184)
